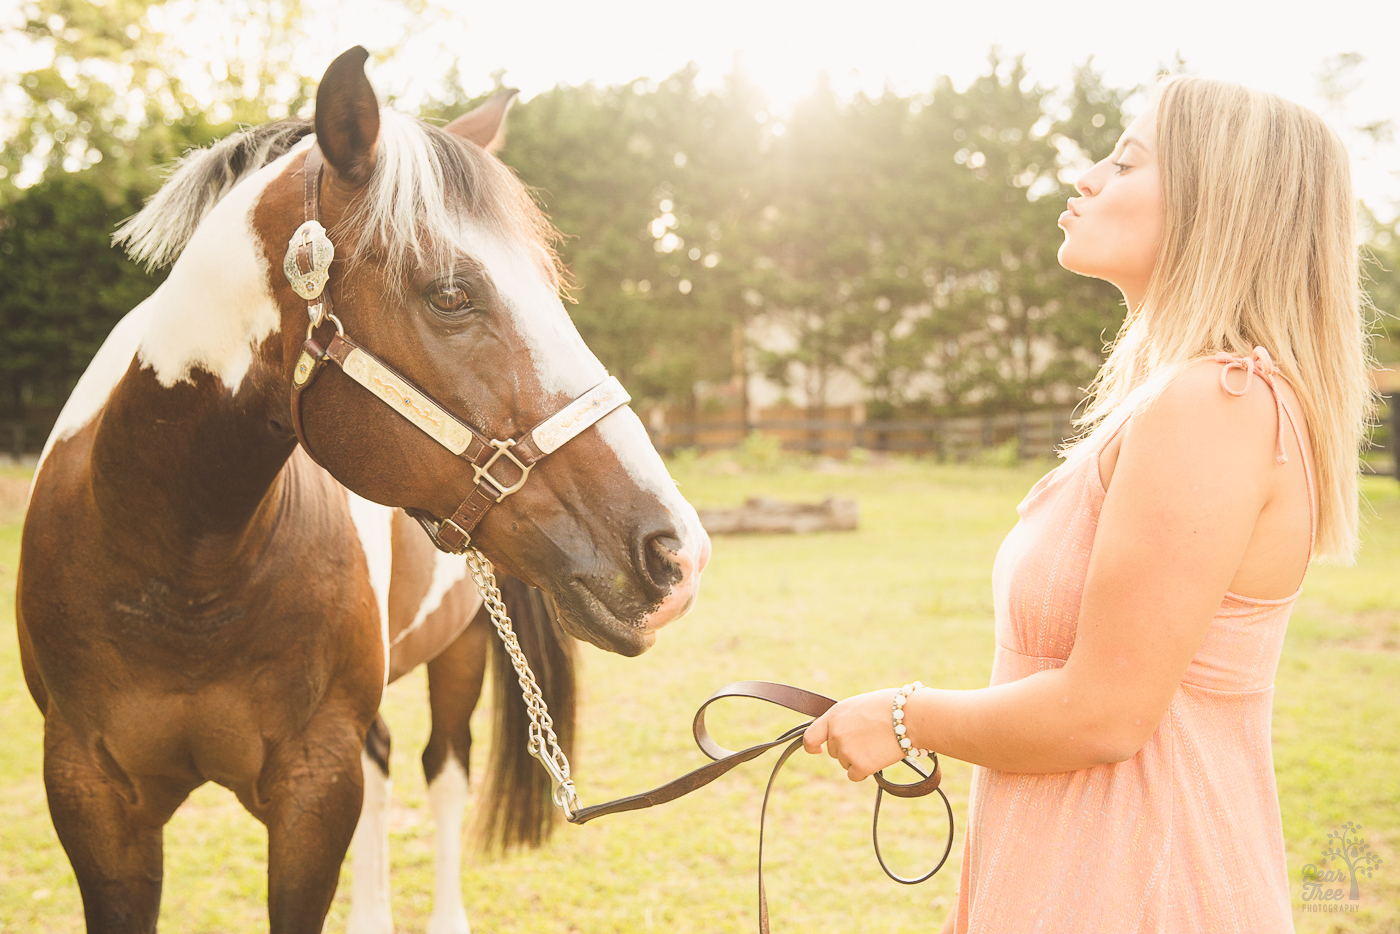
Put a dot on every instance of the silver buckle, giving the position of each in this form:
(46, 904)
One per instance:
(437, 537)
(310, 283)
(484, 471)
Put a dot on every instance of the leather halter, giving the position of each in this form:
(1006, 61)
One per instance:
(307, 267)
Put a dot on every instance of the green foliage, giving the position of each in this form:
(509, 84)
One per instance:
(760, 451)
(1095, 117)
(1381, 279)
(1006, 454)
(907, 241)
(107, 101)
(651, 186)
(98, 123)
(62, 286)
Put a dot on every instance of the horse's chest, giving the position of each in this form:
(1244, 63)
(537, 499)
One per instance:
(217, 734)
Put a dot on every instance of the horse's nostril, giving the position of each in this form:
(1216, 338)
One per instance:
(658, 564)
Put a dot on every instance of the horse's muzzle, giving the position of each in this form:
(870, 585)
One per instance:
(682, 568)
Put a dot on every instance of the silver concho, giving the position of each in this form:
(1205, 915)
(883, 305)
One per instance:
(310, 283)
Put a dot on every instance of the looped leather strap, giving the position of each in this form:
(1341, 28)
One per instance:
(800, 701)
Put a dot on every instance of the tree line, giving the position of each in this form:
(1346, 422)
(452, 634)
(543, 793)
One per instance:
(906, 242)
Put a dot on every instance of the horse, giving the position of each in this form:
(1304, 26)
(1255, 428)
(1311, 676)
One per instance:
(220, 568)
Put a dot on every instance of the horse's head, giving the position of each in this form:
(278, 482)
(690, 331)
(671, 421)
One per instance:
(444, 270)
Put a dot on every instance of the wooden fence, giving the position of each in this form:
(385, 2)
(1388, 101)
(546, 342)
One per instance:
(1035, 434)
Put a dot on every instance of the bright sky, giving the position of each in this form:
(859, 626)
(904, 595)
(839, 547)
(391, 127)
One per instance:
(1280, 45)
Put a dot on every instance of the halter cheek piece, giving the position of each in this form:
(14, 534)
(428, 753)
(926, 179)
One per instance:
(307, 267)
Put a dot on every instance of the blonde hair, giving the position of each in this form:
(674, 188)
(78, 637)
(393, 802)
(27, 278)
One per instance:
(1259, 248)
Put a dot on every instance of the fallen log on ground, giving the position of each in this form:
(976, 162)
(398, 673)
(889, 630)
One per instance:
(766, 515)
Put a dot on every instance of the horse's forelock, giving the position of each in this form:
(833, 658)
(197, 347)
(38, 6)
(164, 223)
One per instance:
(426, 183)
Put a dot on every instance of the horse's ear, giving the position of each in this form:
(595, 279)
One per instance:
(347, 117)
(486, 125)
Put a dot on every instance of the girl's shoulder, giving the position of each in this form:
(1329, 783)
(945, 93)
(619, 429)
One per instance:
(1225, 403)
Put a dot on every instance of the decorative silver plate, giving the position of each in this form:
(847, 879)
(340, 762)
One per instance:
(310, 283)
(572, 419)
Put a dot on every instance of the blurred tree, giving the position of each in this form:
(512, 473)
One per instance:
(108, 97)
(907, 242)
(1381, 279)
(995, 287)
(815, 231)
(94, 126)
(1091, 115)
(650, 186)
(912, 243)
(62, 287)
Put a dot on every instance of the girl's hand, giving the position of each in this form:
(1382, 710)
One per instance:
(858, 733)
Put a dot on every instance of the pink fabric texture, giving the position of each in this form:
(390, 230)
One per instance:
(1185, 835)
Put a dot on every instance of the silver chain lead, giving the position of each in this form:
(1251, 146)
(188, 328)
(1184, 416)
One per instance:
(544, 745)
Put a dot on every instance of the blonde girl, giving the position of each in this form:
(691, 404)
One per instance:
(1124, 776)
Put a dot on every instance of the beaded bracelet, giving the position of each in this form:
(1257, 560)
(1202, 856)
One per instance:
(897, 714)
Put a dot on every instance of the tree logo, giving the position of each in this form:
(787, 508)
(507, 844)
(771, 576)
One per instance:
(1354, 853)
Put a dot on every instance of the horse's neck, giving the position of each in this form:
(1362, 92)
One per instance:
(188, 429)
(190, 466)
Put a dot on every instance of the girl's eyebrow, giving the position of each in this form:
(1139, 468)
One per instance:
(1127, 141)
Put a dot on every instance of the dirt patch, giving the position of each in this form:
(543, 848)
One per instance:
(1368, 630)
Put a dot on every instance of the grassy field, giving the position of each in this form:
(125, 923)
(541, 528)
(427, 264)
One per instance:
(906, 596)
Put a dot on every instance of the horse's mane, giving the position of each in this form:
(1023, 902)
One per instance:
(425, 181)
(197, 182)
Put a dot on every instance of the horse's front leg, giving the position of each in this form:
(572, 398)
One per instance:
(313, 787)
(111, 825)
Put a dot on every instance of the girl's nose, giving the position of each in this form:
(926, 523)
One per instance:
(1091, 182)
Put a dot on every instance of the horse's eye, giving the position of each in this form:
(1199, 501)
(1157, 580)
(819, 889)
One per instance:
(449, 297)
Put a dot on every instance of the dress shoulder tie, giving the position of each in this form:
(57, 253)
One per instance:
(1259, 362)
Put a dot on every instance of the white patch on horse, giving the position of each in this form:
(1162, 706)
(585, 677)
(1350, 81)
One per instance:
(374, 526)
(369, 857)
(99, 379)
(565, 365)
(216, 307)
(447, 795)
(562, 361)
(447, 571)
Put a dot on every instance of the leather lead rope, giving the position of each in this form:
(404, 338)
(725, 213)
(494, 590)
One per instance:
(724, 760)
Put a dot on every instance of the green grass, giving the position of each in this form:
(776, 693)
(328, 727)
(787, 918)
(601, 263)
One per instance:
(906, 596)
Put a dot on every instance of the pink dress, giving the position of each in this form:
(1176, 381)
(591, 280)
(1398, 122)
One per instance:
(1185, 835)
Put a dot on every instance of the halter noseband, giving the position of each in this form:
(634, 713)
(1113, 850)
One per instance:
(307, 267)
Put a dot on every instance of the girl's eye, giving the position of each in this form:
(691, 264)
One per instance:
(449, 297)
(1121, 167)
